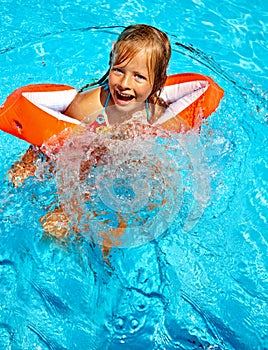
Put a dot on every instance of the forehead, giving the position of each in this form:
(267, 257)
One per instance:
(133, 55)
(139, 60)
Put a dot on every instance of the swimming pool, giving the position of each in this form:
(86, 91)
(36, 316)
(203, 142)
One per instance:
(204, 289)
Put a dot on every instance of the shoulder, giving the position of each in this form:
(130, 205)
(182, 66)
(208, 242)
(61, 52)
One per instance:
(85, 103)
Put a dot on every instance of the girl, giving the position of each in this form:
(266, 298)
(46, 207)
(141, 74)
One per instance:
(137, 73)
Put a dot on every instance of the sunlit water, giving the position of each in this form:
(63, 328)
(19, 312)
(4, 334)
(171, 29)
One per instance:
(201, 286)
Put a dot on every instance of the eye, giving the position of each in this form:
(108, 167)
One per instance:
(140, 77)
(117, 70)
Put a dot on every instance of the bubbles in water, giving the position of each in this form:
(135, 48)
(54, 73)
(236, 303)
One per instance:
(125, 187)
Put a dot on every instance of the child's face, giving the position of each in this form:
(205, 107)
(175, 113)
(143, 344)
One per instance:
(130, 83)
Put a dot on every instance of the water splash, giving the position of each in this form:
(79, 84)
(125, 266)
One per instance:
(126, 186)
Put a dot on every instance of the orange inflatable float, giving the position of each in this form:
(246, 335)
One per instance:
(35, 113)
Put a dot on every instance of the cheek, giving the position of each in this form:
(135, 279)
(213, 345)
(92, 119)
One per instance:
(112, 79)
(150, 86)
(147, 91)
(142, 93)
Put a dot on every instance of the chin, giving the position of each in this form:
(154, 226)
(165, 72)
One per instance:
(129, 108)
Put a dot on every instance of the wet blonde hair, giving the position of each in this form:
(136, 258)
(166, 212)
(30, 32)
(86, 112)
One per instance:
(155, 43)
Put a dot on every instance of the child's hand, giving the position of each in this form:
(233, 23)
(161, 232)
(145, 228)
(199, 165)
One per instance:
(23, 168)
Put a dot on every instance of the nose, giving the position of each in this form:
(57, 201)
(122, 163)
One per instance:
(125, 82)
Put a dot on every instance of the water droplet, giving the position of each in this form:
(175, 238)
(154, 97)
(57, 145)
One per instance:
(119, 324)
(134, 324)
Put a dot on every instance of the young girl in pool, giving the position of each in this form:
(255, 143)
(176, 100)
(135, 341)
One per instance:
(137, 73)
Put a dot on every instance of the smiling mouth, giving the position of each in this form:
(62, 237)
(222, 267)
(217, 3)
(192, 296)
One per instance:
(124, 97)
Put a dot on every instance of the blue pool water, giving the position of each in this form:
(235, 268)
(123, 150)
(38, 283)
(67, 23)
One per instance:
(205, 287)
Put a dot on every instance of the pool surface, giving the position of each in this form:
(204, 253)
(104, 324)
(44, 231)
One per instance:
(201, 281)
